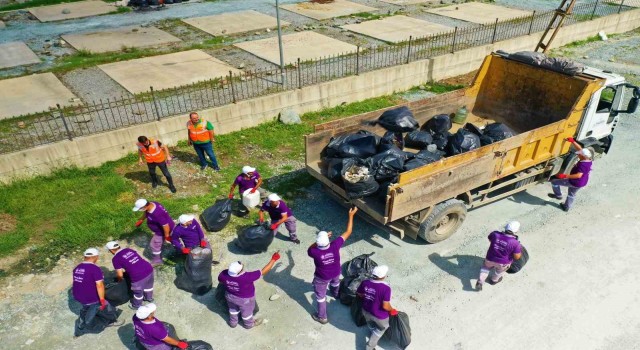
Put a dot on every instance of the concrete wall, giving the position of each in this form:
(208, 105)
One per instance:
(95, 149)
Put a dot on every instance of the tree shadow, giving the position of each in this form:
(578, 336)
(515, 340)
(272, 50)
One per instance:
(294, 287)
(466, 269)
(141, 176)
(526, 198)
(127, 335)
(209, 301)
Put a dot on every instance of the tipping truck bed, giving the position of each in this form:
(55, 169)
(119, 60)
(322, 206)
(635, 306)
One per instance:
(542, 106)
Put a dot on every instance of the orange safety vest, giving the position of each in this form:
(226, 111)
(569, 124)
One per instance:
(153, 154)
(199, 133)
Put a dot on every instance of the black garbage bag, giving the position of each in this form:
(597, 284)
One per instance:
(495, 132)
(383, 189)
(357, 179)
(462, 141)
(441, 140)
(171, 330)
(222, 300)
(517, 265)
(195, 277)
(362, 144)
(388, 164)
(389, 139)
(356, 312)
(118, 293)
(398, 120)
(528, 57)
(217, 216)
(415, 163)
(256, 238)
(399, 331)
(101, 321)
(349, 287)
(359, 265)
(562, 65)
(474, 129)
(199, 345)
(333, 169)
(422, 158)
(438, 124)
(418, 139)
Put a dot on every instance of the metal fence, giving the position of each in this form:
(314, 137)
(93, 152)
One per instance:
(109, 114)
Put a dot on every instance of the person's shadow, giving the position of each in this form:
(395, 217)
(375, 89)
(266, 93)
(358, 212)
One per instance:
(294, 287)
(74, 306)
(465, 267)
(527, 198)
(126, 334)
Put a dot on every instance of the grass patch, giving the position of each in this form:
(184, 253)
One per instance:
(85, 59)
(32, 3)
(121, 9)
(583, 42)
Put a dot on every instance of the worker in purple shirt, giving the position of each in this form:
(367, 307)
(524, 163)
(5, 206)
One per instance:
(577, 178)
(504, 248)
(159, 222)
(88, 289)
(279, 214)
(150, 331)
(376, 307)
(326, 257)
(240, 292)
(139, 271)
(188, 234)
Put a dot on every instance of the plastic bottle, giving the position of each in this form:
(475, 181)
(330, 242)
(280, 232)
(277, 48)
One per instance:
(461, 115)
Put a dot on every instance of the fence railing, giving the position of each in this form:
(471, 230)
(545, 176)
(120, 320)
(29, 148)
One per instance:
(108, 114)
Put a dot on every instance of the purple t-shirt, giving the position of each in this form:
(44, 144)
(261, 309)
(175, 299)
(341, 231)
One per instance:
(84, 287)
(275, 213)
(584, 167)
(502, 248)
(245, 184)
(158, 218)
(149, 333)
(133, 264)
(191, 235)
(241, 285)
(327, 261)
(375, 293)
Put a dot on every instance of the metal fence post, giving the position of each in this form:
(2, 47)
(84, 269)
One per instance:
(233, 92)
(533, 16)
(155, 104)
(358, 60)
(495, 29)
(409, 50)
(594, 10)
(620, 8)
(64, 121)
(453, 46)
(299, 75)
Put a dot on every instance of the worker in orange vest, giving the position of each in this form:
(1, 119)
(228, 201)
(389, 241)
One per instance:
(156, 155)
(201, 136)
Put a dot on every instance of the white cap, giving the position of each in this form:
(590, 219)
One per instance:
(113, 245)
(140, 203)
(145, 310)
(273, 197)
(235, 268)
(380, 271)
(247, 169)
(512, 226)
(91, 252)
(322, 240)
(184, 218)
(585, 152)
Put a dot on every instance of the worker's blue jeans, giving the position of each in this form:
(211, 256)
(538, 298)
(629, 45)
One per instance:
(94, 320)
(201, 149)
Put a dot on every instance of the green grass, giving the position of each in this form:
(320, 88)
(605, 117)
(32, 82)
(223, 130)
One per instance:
(583, 42)
(441, 88)
(32, 3)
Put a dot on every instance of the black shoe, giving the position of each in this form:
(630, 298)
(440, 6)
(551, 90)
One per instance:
(553, 195)
(319, 320)
(149, 300)
(217, 169)
(296, 241)
(116, 323)
(215, 262)
(173, 189)
(132, 307)
(203, 167)
(493, 283)
(154, 185)
(564, 207)
(478, 286)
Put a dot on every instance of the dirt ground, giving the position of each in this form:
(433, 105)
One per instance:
(577, 292)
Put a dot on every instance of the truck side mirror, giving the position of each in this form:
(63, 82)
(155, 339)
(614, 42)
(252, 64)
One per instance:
(632, 106)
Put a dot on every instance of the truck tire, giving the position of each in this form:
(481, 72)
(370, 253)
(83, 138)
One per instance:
(573, 159)
(444, 220)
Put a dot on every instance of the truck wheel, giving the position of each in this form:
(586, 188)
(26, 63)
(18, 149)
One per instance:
(573, 159)
(443, 221)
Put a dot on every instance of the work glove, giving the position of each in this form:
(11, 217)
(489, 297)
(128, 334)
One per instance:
(570, 139)
(274, 227)
(561, 176)
(103, 304)
(168, 161)
(167, 239)
(203, 243)
(139, 222)
(230, 195)
(186, 250)
(183, 345)
(393, 312)
(253, 190)
(275, 256)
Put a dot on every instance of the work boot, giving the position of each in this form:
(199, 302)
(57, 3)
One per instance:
(173, 188)
(296, 241)
(564, 207)
(203, 166)
(478, 286)
(134, 308)
(493, 283)
(319, 320)
(256, 323)
(116, 323)
(154, 184)
(553, 195)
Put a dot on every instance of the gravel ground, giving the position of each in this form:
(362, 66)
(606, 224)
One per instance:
(577, 291)
(82, 82)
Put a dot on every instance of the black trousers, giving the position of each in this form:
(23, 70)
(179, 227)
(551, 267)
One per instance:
(165, 171)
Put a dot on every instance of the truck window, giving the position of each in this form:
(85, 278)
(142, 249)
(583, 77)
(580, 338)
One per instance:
(606, 99)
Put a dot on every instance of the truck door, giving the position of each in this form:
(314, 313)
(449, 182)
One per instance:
(600, 119)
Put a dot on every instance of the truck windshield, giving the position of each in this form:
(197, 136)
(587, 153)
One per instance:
(606, 99)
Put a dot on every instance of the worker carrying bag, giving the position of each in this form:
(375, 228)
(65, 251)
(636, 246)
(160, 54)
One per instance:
(217, 216)
(517, 265)
(256, 238)
(196, 275)
(399, 331)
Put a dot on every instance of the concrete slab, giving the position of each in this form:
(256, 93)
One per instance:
(76, 10)
(32, 94)
(165, 71)
(478, 12)
(397, 28)
(15, 54)
(305, 45)
(234, 22)
(115, 39)
(410, 2)
(334, 9)
(630, 3)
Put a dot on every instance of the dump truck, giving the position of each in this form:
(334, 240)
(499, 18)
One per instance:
(542, 106)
